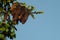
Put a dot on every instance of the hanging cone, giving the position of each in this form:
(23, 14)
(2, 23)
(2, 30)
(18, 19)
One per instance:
(24, 18)
(24, 13)
(15, 9)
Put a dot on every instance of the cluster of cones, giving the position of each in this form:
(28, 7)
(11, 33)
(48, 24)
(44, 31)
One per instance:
(19, 13)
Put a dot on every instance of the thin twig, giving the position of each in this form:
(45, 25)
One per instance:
(37, 12)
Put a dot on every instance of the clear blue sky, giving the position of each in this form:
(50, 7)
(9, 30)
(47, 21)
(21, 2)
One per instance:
(45, 26)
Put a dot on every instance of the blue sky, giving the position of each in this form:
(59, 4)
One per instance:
(45, 26)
